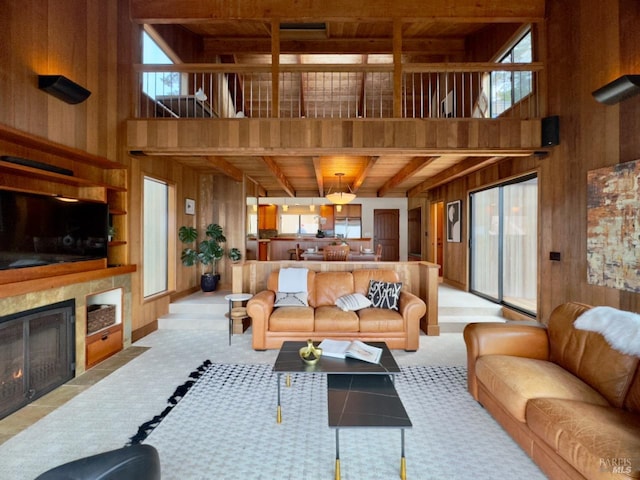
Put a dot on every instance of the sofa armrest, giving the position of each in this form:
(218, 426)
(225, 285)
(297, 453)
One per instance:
(497, 338)
(259, 308)
(412, 309)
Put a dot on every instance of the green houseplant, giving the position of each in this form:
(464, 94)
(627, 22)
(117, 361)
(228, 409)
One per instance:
(208, 252)
(235, 255)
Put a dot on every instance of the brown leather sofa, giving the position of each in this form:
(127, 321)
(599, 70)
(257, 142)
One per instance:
(322, 319)
(563, 394)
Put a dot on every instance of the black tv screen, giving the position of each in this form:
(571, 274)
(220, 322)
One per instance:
(40, 230)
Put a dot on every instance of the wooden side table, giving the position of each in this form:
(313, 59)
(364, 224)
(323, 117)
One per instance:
(238, 313)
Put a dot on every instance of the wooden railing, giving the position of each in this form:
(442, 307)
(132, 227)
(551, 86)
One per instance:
(444, 90)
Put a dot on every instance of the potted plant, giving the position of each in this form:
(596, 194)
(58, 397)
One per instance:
(208, 252)
(235, 255)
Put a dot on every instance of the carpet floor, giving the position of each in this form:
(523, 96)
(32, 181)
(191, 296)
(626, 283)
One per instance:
(224, 427)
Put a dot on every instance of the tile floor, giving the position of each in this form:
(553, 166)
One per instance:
(169, 355)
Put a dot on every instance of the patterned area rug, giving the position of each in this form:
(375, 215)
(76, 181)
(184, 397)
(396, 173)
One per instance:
(224, 427)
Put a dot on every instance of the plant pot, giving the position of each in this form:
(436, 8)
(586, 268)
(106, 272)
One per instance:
(209, 282)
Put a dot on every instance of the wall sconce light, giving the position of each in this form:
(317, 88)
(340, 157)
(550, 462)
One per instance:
(621, 88)
(61, 87)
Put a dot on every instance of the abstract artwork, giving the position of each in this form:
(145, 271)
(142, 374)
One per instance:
(613, 226)
(453, 221)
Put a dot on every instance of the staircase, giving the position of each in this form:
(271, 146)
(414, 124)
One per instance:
(456, 308)
(199, 311)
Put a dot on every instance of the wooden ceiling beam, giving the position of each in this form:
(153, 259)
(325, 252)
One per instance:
(357, 183)
(317, 168)
(225, 167)
(465, 167)
(280, 176)
(203, 11)
(423, 46)
(415, 165)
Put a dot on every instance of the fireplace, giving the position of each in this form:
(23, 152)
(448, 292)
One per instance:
(37, 353)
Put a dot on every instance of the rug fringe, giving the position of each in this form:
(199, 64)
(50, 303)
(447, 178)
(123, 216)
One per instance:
(147, 427)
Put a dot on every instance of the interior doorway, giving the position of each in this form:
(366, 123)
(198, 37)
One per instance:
(386, 232)
(437, 239)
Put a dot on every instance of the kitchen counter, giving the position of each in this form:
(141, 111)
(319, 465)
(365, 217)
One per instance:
(280, 247)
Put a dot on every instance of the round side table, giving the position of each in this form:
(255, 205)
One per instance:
(236, 297)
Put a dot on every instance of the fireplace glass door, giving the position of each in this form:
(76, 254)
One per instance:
(36, 354)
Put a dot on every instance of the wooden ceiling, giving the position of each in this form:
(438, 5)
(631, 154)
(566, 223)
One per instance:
(357, 31)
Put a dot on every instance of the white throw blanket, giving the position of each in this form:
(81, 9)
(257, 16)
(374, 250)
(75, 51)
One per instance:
(621, 329)
(292, 280)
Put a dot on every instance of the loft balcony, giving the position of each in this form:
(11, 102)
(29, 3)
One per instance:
(223, 116)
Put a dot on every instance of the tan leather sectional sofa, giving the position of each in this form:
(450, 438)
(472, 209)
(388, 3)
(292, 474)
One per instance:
(568, 399)
(323, 319)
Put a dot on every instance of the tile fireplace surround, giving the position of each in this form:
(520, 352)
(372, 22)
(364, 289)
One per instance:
(79, 292)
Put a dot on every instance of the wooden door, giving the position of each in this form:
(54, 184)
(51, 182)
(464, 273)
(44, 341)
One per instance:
(386, 232)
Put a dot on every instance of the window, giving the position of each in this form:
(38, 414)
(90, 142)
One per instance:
(157, 198)
(508, 88)
(156, 84)
(299, 224)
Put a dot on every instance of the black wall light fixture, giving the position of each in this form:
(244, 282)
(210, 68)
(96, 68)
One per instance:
(61, 87)
(621, 88)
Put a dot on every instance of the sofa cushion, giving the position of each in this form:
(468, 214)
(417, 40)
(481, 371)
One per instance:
(353, 302)
(329, 286)
(384, 294)
(516, 380)
(332, 319)
(584, 353)
(272, 284)
(291, 299)
(592, 438)
(380, 320)
(362, 278)
(291, 319)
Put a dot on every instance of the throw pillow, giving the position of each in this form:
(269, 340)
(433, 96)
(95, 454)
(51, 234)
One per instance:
(353, 302)
(384, 294)
(291, 299)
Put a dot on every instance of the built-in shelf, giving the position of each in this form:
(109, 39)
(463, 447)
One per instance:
(93, 178)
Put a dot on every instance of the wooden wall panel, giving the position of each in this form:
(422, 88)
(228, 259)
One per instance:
(592, 135)
(303, 137)
(76, 39)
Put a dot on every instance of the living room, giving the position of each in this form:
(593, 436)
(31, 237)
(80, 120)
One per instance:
(583, 44)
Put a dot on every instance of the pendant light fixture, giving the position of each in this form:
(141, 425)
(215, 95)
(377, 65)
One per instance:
(339, 197)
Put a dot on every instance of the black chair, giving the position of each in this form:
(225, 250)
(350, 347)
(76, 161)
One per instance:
(138, 462)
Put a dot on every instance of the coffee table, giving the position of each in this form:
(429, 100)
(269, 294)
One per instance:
(360, 394)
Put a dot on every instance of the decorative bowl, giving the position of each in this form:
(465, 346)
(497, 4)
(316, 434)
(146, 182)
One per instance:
(367, 250)
(310, 354)
(311, 250)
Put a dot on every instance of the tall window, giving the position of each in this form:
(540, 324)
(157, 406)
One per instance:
(508, 88)
(156, 84)
(504, 243)
(156, 214)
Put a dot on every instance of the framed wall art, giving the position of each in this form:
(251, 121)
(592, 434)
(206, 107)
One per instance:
(190, 206)
(454, 221)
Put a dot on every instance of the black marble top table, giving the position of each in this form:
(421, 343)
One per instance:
(289, 361)
(364, 401)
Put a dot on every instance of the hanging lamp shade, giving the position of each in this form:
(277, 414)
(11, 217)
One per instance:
(340, 197)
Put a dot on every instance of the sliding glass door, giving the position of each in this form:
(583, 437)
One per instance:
(504, 243)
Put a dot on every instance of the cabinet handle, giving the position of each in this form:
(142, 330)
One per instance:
(104, 337)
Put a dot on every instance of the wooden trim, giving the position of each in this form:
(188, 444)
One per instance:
(18, 137)
(54, 276)
(144, 331)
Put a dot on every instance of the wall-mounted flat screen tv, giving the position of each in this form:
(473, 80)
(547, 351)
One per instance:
(38, 230)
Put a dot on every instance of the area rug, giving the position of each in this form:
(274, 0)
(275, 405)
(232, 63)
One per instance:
(222, 425)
